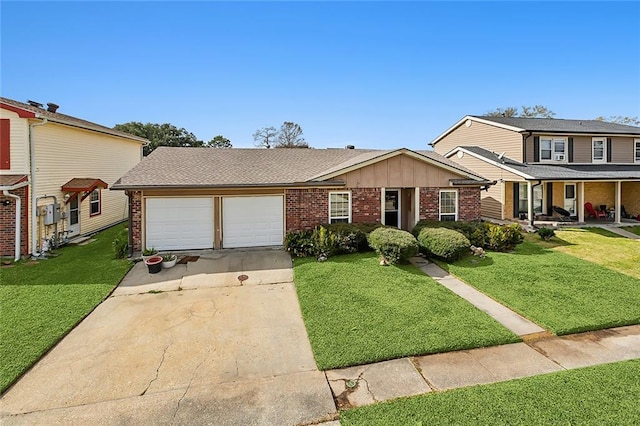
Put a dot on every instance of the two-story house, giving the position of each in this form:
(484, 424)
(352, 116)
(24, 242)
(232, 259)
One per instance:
(54, 169)
(540, 163)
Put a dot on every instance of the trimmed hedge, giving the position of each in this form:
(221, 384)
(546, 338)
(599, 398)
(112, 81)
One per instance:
(480, 234)
(393, 245)
(330, 239)
(444, 243)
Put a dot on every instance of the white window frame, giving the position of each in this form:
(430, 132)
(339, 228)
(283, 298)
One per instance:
(557, 156)
(604, 150)
(636, 150)
(348, 217)
(97, 201)
(457, 204)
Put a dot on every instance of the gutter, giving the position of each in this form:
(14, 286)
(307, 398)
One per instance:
(117, 187)
(34, 201)
(6, 193)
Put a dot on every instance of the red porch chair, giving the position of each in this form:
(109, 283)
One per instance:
(593, 212)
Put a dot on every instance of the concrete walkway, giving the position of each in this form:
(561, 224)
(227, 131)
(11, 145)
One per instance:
(505, 316)
(623, 232)
(367, 384)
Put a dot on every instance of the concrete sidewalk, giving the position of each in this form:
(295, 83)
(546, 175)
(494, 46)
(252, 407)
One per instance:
(367, 384)
(623, 232)
(505, 316)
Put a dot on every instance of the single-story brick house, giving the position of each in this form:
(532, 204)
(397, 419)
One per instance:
(197, 198)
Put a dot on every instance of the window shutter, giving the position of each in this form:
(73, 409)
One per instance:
(516, 199)
(549, 198)
(5, 144)
(570, 148)
(536, 149)
(608, 150)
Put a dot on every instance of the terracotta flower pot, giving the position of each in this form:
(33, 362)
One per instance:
(154, 263)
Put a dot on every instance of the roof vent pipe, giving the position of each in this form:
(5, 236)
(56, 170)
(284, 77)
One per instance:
(350, 147)
(52, 107)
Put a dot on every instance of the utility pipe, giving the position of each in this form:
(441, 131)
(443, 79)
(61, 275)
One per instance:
(6, 193)
(55, 201)
(34, 201)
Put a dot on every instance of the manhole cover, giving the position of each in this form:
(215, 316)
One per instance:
(242, 278)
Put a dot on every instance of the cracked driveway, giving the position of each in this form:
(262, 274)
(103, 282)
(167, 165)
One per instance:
(215, 353)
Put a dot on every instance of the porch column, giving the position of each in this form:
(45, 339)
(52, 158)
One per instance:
(580, 203)
(530, 202)
(618, 201)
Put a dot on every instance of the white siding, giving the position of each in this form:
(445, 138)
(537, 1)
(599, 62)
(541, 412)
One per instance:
(19, 143)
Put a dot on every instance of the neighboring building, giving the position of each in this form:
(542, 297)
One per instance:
(197, 198)
(540, 163)
(61, 164)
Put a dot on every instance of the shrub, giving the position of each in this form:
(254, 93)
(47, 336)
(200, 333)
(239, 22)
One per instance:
(444, 243)
(351, 237)
(475, 231)
(300, 243)
(546, 233)
(505, 237)
(120, 244)
(393, 245)
(324, 242)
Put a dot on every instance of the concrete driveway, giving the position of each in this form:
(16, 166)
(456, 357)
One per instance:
(207, 349)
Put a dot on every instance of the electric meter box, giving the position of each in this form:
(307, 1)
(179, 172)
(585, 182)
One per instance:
(51, 214)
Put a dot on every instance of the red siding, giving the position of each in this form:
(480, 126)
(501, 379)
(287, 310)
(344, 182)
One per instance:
(5, 144)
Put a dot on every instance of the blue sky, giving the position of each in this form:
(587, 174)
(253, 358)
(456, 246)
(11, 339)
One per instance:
(371, 74)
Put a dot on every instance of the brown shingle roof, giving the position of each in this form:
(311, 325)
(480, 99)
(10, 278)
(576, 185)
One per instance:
(69, 120)
(211, 167)
(10, 180)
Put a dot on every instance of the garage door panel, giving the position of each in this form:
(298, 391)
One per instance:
(252, 221)
(179, 223)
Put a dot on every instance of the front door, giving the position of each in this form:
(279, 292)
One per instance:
(392, 207)
(74, 217)
(570, 198)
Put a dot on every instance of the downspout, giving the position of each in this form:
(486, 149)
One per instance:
(6, 193)
(130, 226)
(34, 201)
(531, 202)
(524, 146)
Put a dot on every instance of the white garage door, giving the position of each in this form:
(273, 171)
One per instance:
(179, 223)
(252, 221)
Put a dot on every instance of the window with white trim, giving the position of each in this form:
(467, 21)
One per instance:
(637, 150)
(448, 205)
(95, 203)
(339, 207)
(599, 150)
(553, 149)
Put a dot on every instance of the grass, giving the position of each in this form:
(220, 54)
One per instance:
(633, 229)
(601, 395)
(42, 301)
(558, 291)
(599, 246)
(357, 312)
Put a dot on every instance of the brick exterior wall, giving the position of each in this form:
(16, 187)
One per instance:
(306, 208)
(135, 221)
(469, 204)
(8, 223)
(366, 205)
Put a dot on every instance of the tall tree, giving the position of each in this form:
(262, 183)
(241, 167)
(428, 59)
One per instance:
(219, 142)
(620, 119)
(160, 135)
(290, 136)
(265, 137)
(536, 111)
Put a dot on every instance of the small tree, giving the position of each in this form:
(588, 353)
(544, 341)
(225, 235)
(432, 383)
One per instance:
(536, 111)
(265, 137)
(219, 142)
(290, 136)
(620, 119)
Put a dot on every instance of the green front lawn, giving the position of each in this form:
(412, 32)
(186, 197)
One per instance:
(357, 312)
(600, 395)
(42, 301)
(634, 229)
(560, 292)
(599, 246)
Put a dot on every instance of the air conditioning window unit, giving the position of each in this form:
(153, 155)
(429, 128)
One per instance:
(559, 157)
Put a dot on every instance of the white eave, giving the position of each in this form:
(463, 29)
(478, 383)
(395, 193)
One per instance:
(479, 120)
(489, 161)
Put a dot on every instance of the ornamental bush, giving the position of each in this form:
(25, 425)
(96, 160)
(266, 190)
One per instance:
(546, 233)
(475, 231)
(505, 237)
(351, 237)
(330, 239)
(444, 243)
(393, 245)
(300, 243)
